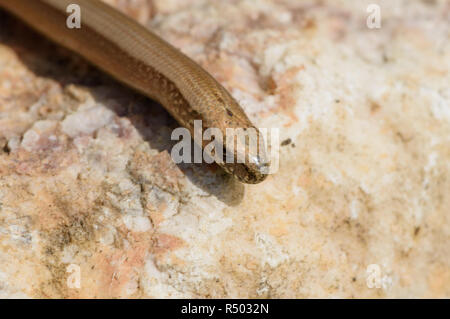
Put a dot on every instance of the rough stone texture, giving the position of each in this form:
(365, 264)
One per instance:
(86, 176)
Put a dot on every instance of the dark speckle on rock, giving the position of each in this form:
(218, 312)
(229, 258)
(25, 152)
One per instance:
(286, 142)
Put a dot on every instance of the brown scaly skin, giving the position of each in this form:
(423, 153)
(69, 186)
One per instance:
(135, 56)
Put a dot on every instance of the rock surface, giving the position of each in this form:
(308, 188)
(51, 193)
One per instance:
(362, 195)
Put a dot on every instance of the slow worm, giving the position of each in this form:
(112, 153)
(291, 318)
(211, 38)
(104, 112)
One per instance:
(140, 59)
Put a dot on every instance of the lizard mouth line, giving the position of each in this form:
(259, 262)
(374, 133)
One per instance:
(239, 146)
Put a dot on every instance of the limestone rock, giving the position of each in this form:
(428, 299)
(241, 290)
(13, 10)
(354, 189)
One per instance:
(361, 198)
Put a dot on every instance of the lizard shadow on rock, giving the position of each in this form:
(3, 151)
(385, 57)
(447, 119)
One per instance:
(46, 59)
